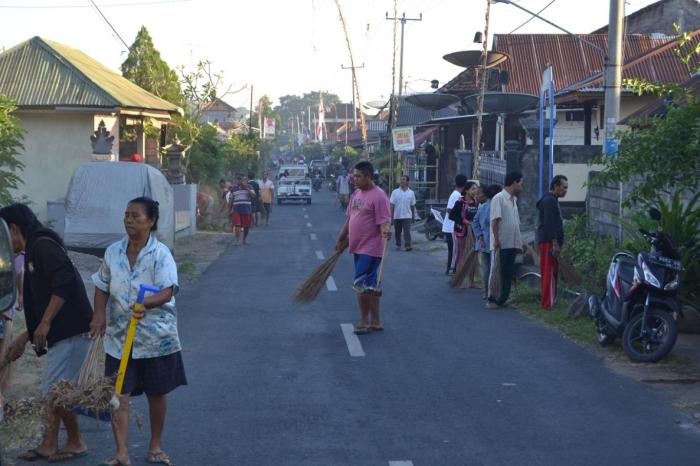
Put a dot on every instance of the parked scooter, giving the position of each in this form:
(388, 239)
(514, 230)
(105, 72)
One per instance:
(640, 301)
(433, 224)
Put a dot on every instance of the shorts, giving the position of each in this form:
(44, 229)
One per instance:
(366, 270)
(64, 360)
(152, 376)
(241, 220)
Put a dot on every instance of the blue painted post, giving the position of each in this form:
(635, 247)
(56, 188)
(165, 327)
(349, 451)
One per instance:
(552, 117)
(541, 114)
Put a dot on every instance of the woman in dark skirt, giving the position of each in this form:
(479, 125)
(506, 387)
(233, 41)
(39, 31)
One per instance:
(155, 366)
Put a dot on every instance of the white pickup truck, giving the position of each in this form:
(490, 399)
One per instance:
(294, 190)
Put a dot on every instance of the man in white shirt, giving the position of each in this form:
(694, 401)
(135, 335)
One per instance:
(267, 191)
(448, 226)
(505, 234)
(403, 212)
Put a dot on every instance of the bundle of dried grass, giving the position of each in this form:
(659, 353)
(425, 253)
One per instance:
(23, 408)
(495, 279)
(533, 254)
(467, 263)
(312, 286)
(569, 273)
(92, 391)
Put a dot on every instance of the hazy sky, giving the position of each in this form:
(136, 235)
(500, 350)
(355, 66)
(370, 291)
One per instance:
(290, 46)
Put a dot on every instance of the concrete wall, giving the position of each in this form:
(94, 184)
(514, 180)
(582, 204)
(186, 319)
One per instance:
(185, 209)
(54, 146)
(660, 18)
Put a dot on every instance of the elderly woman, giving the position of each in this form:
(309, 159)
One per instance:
(155, 365)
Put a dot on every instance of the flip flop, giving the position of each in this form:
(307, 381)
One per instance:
(159, 457)
(377, 328)
(113, 462)
(32, 455)
(64, 455)
(362, 330)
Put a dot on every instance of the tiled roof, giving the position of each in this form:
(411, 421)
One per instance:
(660, 65)
(340, 110)
(218, 106)
(572, 61)
(43, 73)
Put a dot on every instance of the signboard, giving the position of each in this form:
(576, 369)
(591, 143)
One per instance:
(269, 132)
(611, 145)
(403, 139)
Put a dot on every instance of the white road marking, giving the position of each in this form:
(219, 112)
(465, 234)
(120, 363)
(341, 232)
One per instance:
(509, 384)
(313, 236)
(351, 340)
(400, 463)
(306, 216)
(319, 255)
(330, 284)
(308, 224)
(304, 209)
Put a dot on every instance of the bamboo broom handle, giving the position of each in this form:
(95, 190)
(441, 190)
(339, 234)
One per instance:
(381, 266)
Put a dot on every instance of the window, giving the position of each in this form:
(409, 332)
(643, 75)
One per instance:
(576, 115)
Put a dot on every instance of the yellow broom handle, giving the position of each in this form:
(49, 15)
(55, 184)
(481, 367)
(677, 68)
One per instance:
(126, 352)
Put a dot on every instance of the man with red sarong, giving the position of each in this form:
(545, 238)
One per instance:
(550, 237)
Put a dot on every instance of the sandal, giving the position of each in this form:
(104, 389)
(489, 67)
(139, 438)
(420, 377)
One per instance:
(377, 328)
(362, 330)
(114, 462)
(32, 455)
(64, 455)
(159, 457)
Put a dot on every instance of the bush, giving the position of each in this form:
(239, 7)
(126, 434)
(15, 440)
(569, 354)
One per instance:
(588, 252)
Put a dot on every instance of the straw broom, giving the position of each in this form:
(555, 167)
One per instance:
(568, 273)
(467, 263)
(495, 279)
(310, 288)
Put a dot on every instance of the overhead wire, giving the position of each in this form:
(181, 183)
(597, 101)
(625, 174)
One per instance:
(106, 5)
(533, 17)
(110, 25)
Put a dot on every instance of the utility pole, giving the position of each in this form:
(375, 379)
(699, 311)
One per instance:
(354, 106)
(250, 113)
(613, 73)
(484, 75)
(403, 20)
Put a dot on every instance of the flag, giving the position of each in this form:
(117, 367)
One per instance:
(321, 123)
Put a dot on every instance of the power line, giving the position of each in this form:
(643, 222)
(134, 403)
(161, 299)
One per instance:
(110, 24)
(533, 17)
(107, 5)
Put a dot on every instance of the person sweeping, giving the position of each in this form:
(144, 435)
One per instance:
(550, 238)
(367, 229)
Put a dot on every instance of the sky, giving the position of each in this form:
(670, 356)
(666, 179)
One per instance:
(292, 46)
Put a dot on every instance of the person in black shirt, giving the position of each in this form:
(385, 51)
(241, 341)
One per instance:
(58, 315)
(550, 237)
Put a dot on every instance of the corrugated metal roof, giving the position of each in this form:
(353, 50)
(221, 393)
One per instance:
(465, 84)
(43, 73)
(660, 65)
(572, 61)
(659, 106)
(411, 115)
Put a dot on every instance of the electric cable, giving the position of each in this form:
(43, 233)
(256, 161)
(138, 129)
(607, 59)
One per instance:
(110, 25)
(533, 17)
(107, 5)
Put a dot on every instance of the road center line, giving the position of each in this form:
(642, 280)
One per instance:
(306, 216)
(400, 463)
(313, 236)
(353, 343)
(319, 255)
(308, 224)
(330, 284)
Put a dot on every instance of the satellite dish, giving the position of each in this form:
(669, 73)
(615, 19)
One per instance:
(502, 102)
(378, 104)
(468, 58)
(432, 101)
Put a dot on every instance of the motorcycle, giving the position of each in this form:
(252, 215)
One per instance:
(316, 183)
(332, 184)
(640, 302)
(433, 224)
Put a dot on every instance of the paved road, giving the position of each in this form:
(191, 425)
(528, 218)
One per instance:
(447, 383)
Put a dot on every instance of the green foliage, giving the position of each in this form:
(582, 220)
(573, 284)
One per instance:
(589, 253)
(662, 157)
(147, 69)
(293, 106)
(11, 134)
(680, 221)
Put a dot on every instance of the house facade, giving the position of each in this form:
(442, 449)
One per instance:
(62, 95)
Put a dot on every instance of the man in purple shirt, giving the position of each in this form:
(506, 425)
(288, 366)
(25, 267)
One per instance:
(368, 227)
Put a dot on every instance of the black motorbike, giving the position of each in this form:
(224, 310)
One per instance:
(640, 303)
(316, 183)
(433, 224)
(332, 186)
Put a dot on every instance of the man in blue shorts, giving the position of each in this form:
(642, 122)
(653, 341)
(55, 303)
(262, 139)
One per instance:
(367, 227)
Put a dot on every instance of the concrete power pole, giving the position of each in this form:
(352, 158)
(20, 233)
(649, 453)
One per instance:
(354, 105)
(403, 20)
(613, 73)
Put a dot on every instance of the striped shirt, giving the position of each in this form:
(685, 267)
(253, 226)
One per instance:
(504, 206)
(240, 198)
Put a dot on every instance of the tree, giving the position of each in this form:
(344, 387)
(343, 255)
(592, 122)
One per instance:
(292, 106)
(147, 69)
(10, 144)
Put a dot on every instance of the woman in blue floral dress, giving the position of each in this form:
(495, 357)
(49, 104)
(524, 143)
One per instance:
(155, 366)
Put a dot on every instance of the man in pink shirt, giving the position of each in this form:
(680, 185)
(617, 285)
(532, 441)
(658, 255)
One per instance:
(367, 227)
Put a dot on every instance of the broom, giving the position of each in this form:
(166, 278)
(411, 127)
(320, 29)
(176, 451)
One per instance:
(467, 263)
(568, 273)
(311, 287)
(495, 278)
